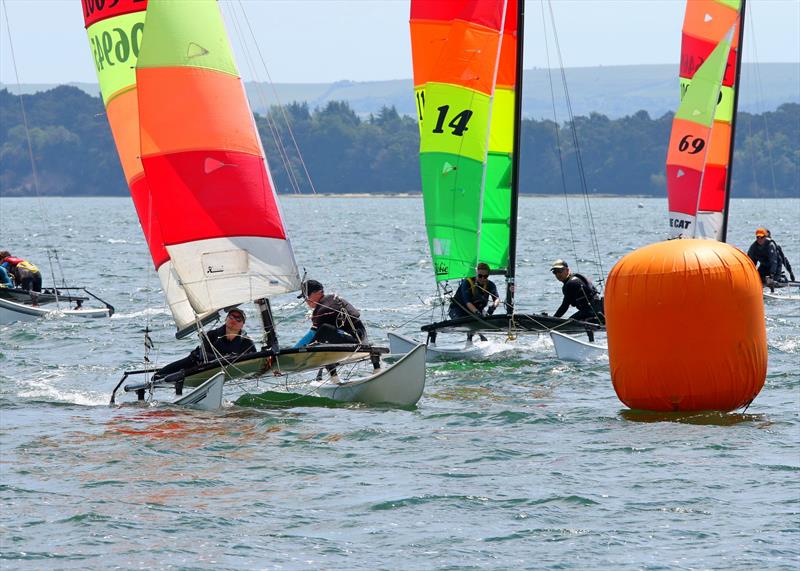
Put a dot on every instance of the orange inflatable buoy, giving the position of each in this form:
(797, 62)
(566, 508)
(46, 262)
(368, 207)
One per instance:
(686, 329)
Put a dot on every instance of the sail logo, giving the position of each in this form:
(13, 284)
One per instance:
(442, 269)
(678, 223)
(219, 269)
(441, 247)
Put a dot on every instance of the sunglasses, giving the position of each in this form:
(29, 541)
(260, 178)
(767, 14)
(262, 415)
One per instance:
(483, 275)
(235, 317)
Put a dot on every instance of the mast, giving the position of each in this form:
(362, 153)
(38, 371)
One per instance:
(729, 178)
(512, 231)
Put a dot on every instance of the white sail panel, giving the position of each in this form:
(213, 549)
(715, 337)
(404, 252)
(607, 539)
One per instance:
(221, 272)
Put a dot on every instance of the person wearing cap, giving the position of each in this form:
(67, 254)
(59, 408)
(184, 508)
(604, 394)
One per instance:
(225, 343)
(333, 318)
(579, 292)
(764, 254)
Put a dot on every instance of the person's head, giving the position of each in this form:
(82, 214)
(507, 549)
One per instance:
(560, 270)
(235, 319)
(482, 274)
(761, 235)
(312, 291)
(4, 254)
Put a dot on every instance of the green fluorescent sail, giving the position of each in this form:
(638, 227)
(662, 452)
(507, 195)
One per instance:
(700, 102)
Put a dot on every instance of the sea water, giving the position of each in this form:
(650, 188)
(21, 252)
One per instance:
(517, 462)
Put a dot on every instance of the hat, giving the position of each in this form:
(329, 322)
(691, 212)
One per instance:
(558, 265)
(309, 287)
(761, 232)
(239, 311)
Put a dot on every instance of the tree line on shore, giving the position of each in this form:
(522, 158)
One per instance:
(74, 152)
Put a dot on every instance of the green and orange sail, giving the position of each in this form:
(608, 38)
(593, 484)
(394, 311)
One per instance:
(700, 149)
(465, 80)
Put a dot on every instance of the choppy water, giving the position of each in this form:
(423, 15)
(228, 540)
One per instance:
(520, 462)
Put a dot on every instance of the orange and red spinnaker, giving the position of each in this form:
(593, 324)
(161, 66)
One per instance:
(464, 54)
(699, 148)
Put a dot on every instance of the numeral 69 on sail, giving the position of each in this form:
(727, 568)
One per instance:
(697, 145)
(116, 46)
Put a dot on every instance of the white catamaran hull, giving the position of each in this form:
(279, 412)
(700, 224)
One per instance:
(400, 384)
(789, 292)
(11, 312)
(207, 396)
(400, 345)
(572, 349)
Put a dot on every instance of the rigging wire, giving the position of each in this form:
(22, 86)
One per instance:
(280, 106)
(578, 156)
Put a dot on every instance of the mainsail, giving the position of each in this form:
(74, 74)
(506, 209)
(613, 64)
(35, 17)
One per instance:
(700, 148)
(115, 32)
(214, 224)
(465, 79)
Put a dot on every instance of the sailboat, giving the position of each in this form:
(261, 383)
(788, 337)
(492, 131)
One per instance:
(467, 80)
(18, 304)
(205, 198)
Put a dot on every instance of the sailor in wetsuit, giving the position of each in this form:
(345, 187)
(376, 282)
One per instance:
(333, 320)
(578, 292)
(476, 295)
(225, 343)
(764, 253)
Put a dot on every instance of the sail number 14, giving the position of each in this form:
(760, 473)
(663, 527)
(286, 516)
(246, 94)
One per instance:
(458, 123)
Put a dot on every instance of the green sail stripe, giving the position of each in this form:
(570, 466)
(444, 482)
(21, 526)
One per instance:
(699, 103)
(115, 46)
(501, 138)
(451, 198)
(496, 215)
(735, 4)
(455, 121)
(724, 110)
(186, 34)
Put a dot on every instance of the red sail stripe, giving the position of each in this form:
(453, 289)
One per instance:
(488, 14)
(97, 10)
(198, 195)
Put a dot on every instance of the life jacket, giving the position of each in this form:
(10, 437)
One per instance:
(19, 263)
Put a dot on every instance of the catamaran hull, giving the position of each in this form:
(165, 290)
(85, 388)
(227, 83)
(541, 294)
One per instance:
(207, 396)
(400, 345)
(12, 312)
(400, 384)
(286, 361)
(571, 349)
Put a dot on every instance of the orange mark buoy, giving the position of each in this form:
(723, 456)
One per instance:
(686, 329)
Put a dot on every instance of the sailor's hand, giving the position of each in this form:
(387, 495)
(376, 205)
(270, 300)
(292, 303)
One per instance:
(769, 281)
(485, 311)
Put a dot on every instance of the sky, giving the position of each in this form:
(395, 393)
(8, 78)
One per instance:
(321, 41)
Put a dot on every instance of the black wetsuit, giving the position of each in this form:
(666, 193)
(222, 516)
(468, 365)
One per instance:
(579, 292)
(765, 257)
(217, 346)
(470, 291)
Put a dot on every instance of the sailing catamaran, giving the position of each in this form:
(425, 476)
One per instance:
(700, 155)
(204, 194)
(467, 80)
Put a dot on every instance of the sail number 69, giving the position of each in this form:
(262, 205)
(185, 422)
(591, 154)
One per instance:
(697, 145)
